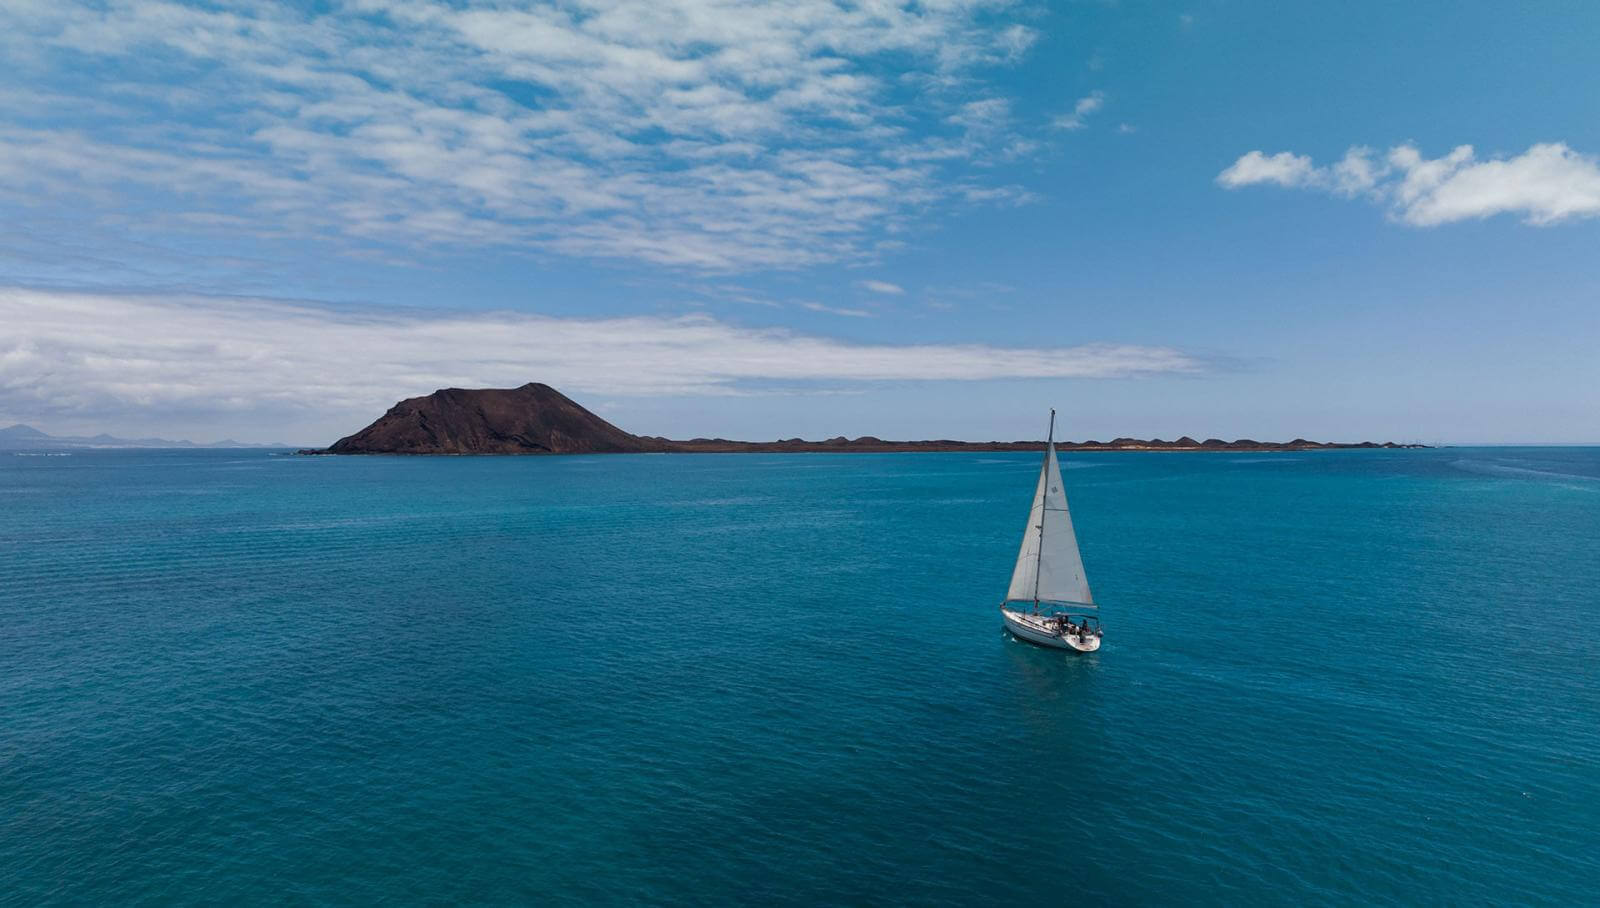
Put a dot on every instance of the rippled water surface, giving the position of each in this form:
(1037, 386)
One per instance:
(1336, 677)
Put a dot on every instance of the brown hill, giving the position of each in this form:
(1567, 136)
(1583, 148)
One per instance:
(532, 419)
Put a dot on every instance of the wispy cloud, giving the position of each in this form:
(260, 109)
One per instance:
(836, 310)
(1081, 111)
(702, 133)
(883, 287)
(82, 356)
(1546, 184)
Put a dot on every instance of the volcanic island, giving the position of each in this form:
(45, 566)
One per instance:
(538, 419)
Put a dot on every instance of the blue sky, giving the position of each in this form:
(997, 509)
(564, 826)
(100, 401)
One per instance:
(1341, 221)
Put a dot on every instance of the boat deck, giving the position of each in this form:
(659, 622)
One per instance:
(1042, 629)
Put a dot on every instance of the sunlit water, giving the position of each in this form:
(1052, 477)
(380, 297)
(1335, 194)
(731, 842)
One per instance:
(1354, 677)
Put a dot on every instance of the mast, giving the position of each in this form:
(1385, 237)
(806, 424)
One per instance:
(1044, 468)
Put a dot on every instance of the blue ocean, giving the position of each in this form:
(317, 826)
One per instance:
(1363, 677)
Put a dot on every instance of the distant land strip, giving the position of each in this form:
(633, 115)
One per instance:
(868, 444)
(538, 419)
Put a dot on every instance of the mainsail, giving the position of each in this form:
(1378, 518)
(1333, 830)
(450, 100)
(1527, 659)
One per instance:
(1049, 568)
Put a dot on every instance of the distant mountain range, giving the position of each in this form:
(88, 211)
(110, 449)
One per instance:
(538, 419)
(22, 438)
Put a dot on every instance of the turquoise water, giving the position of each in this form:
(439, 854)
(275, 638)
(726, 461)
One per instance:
(1336, 677)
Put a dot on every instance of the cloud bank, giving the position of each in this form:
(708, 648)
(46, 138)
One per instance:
(1546, 184)
(711, 134)
(83, 356)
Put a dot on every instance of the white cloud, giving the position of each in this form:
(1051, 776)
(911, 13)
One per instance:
(706, 133)
(883, 287)
(1015, 41)
(1546, 184)
(1357, 172)
(1080, 112)
(1283, 168)
(85, 356)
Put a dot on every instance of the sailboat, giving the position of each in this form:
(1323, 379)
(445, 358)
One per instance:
(1048, 600)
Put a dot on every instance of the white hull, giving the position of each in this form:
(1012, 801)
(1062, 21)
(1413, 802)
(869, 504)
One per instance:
(1037, 629)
